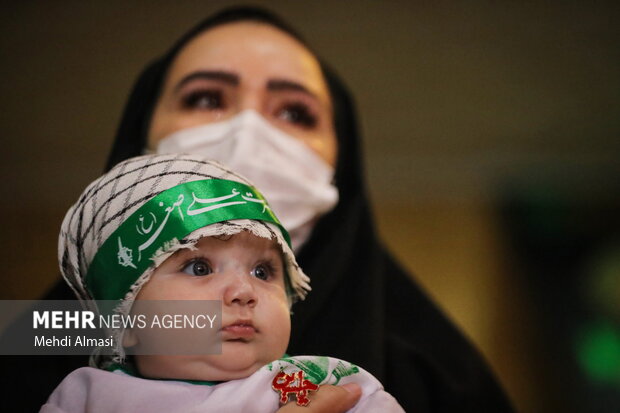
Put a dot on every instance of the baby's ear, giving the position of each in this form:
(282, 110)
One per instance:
(130, 338)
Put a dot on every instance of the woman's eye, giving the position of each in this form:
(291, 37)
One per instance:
(298, 114)
(262, 272)
(204, 99)
(197, 267)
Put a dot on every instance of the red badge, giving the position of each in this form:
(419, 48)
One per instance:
(293, 383)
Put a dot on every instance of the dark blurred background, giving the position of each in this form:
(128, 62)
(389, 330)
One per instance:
(491, 141)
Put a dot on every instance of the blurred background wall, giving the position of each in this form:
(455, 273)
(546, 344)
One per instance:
(491, 142)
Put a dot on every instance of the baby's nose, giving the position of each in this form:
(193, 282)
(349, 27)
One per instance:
(240, 290)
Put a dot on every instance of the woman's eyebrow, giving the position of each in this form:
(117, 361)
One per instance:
(278, 84)
(219, 75)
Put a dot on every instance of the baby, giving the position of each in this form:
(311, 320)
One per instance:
(180, 227)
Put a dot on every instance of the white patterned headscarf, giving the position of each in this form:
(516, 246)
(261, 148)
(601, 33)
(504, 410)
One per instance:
(138, 214)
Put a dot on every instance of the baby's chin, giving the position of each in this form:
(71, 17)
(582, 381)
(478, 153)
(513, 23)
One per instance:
(203, 368)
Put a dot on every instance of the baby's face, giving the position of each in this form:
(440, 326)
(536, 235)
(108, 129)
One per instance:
(246, 273)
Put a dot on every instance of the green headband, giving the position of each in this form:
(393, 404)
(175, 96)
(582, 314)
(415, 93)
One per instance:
(163, 220)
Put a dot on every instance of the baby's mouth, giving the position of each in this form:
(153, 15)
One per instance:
(240, 330)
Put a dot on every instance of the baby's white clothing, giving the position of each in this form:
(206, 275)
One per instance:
(93, 390)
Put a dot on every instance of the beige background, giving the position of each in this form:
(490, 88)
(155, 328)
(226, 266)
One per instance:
(457, 103)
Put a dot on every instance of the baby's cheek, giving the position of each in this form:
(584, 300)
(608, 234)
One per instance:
(282, 334)
(285, 316)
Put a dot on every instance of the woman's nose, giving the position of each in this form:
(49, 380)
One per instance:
(250, 98)
(239, 290)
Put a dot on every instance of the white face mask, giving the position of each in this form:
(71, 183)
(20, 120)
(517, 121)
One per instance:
(295, 180)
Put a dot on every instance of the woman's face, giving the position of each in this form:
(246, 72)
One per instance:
(247, 65)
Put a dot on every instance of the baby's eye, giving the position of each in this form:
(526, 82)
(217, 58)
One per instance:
(204, 99)
(262, 272)
(298, 114)
(197, 267)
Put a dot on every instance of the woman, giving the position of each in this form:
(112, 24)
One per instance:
(364, 308)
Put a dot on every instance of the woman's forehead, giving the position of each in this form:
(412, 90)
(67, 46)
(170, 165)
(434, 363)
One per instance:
(257, 52)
